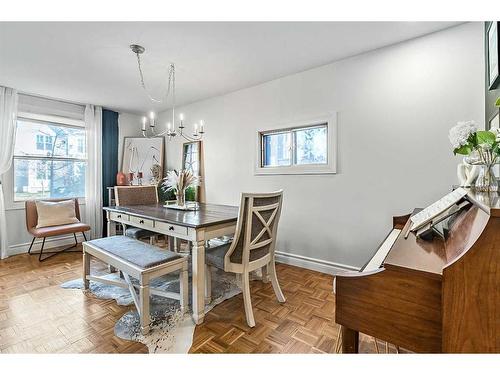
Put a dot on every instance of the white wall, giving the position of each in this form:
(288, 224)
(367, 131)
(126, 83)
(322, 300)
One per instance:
(19, 238)
(395, 106)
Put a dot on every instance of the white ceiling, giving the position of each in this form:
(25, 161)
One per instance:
(91, 62)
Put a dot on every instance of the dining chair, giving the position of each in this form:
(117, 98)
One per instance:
(133, 196)
(252, 247)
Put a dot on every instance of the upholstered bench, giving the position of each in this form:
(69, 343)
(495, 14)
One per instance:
(141, 261)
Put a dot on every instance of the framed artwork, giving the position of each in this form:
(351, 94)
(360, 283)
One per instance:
(492, 71)
(494, 122)
(191, 161)
(143, 157)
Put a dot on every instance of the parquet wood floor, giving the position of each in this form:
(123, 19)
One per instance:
(305, 323)
(38, 316)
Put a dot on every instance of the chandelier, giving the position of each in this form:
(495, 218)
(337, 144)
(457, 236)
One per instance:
(151, 121)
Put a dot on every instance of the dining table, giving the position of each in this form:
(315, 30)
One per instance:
(205, 222)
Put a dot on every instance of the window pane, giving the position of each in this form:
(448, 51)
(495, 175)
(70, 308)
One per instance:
(311, 145)
(46, 139)
(34, 179)
(276, 149)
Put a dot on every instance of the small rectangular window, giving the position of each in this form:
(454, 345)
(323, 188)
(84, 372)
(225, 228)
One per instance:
(308, 148)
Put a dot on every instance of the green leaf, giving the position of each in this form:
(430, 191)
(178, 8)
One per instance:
(463, 150)
(484, 136)
(497, 103)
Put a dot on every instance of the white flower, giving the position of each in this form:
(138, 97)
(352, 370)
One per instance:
(461, 132)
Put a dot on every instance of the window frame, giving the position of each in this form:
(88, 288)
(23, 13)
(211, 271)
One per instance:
(8, 178)
(330, 167)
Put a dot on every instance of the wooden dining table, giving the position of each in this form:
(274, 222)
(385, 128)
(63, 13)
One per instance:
(206, 222)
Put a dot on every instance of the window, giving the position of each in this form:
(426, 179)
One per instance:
(49, 160)
(307, 148)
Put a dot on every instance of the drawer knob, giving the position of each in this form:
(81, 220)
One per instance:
(141, 221)
(119, 216)
(171, 228)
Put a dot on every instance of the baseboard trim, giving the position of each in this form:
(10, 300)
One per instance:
(50, 243)
(314, 264)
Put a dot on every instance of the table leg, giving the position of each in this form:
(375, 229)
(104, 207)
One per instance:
(198, 281)
(111, 232)
(350, 340)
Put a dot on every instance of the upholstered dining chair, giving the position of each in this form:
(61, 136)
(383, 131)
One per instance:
(252, 247)
(53, 230)
(133, 196)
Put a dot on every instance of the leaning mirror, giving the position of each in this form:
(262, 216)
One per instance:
(191, 161)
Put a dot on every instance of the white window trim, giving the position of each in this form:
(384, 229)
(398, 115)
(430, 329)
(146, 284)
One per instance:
(330, 167)
(8, 177)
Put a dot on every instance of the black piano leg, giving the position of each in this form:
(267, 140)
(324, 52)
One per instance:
(350, 340)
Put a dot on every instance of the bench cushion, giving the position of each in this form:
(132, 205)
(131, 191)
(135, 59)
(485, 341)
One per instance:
(133, 251)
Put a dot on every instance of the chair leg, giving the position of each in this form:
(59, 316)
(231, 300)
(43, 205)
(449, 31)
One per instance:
(32, 242)
(208, 284)
(184, 288)
(84, 236)
(86, 270)
(41, 251)
(144, 308)
(76, 241)
(274, 281)
(247, 299)
(265, 276)
(171, 243)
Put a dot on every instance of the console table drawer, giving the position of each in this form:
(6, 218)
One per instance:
(116, 216)
(141, 221)
(171, 228)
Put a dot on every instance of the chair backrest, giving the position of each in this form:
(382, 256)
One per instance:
(32, 213)
(136, 195)
(257, 226)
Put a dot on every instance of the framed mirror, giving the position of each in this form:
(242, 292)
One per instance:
(192, 161)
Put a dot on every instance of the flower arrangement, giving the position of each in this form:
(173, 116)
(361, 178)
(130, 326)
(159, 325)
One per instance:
(482, 148)
(466, 139)
(178, 182)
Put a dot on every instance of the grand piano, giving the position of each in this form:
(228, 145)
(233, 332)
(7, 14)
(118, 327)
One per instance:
(439, 295)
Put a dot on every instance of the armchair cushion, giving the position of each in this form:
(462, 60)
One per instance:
(57, 230)
(55, 213)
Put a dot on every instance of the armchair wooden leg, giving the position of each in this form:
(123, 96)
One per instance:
(274, 281)
(208, 284)
(247, 299)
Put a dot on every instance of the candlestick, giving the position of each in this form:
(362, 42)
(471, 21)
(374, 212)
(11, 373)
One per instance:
(144, 124)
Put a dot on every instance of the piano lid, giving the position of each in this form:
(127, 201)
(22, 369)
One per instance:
(431, 257)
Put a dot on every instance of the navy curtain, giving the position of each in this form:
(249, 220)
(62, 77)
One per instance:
(109, 156)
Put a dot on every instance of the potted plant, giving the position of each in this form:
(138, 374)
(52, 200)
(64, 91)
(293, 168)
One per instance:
(482, 148)
(179, 182)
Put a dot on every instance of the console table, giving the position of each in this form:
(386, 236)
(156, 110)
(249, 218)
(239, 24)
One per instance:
(209, 221)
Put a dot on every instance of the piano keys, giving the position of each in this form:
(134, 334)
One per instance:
(435, 296)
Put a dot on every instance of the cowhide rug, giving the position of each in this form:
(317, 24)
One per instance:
(171, 332)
